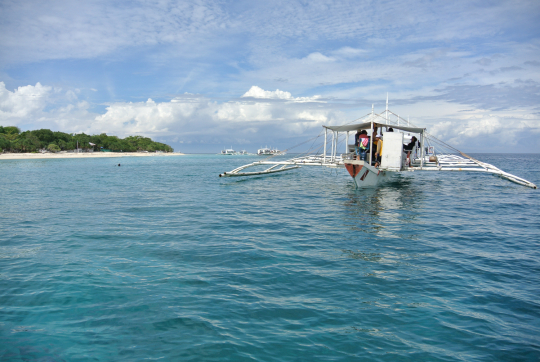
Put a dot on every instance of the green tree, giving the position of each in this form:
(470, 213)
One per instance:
(10, 130)
(26, 142)
(45, 136)
(53, 147)
(66, 137)
(5, 144)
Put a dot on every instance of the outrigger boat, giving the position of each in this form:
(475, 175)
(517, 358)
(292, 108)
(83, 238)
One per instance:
(228, 152)
(367, 172)
(265, 151)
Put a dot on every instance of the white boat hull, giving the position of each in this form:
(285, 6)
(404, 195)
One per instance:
(365, 175)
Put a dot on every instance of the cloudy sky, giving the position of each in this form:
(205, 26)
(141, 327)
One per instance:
(204, 75)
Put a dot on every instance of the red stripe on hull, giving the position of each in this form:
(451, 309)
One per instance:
(364, 175)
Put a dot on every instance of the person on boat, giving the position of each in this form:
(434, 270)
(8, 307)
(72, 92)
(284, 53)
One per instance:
(378, 153)
(376, 140)
(409, 147)
(361, 145)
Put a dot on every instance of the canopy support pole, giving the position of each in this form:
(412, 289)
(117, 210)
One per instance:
(325, 137)
(371, 142)
(335, 146)
(347, 143)
(332, 151)
(423, 148)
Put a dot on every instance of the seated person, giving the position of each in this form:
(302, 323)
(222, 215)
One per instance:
(409, 147)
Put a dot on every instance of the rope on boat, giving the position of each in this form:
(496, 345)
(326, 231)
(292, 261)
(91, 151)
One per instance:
(314, 139)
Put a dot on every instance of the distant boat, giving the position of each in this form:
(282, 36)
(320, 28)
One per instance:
(266, 151)
(228, 152)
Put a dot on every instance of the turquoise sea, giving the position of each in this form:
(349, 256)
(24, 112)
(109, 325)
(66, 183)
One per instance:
(160, 259)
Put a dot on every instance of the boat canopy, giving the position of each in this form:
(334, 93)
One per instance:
(367, 125)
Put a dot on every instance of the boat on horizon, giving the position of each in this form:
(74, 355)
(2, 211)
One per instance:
(267, 151)
(228, 152)
(231, 152)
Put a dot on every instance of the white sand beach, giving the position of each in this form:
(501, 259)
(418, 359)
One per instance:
(23, 156)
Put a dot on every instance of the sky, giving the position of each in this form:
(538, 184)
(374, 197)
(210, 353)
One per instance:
(202, 75)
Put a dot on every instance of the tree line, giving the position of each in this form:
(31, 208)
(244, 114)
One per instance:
(13, 140)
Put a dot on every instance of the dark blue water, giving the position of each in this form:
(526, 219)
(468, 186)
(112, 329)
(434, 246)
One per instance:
(160, 259)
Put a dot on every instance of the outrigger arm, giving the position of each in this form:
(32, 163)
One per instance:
(456, 163)
(271, 169)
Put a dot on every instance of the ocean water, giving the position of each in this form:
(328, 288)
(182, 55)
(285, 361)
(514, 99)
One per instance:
(160, 259)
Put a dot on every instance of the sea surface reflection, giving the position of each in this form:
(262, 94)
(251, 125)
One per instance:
(386, 209)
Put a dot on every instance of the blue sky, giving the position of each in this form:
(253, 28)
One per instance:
(204, 75)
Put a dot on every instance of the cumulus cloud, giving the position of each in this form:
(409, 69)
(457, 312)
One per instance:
(42, 106)
(259, 93)
(194, 114)
(23, 102)
(152, 118)
(484, 131)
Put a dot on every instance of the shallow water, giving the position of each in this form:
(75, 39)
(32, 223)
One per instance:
(162, 259)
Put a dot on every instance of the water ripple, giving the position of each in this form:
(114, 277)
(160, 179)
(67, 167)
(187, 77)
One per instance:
(161, 259)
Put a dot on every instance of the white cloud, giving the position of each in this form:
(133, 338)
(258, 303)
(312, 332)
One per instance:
(318, 58)
(148, 118)
(23, 102)
(190, 115)
(484, 124)
(259, 93)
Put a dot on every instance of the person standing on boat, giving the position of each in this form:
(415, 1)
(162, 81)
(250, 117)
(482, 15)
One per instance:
(376, 141)
(361, 144)
(378, 153)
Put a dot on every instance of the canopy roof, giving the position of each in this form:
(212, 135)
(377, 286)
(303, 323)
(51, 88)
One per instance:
(367, 125)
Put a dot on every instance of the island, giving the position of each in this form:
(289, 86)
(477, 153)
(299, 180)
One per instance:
(44, 143)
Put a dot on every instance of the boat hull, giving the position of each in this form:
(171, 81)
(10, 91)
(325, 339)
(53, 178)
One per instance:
(365, 175)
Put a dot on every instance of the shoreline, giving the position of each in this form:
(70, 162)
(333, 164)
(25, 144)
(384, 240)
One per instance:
(36, 156)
